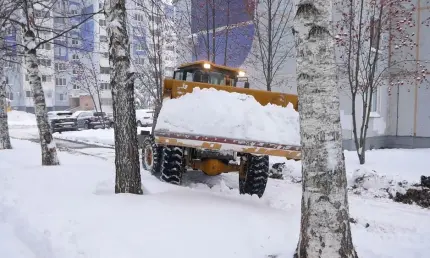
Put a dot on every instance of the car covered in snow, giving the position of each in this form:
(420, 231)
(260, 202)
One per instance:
(61, 121)
(144, 117)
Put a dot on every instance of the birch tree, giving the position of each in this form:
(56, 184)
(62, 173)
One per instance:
(4, 127)
(325, 230)
(7, 9)
(36, 21)
(127, 166)
(49, 150)
(33, 18)
(272, 20)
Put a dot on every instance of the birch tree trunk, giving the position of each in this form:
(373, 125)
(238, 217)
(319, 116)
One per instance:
(325, 230)
(47, 144)
(4, 128)
(127, 164)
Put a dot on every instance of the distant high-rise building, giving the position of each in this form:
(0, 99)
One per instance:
(74, 67)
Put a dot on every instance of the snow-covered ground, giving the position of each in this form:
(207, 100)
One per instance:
(385, 172)
(23, 125)
(21, 119)
(380, 176)
(71, 211)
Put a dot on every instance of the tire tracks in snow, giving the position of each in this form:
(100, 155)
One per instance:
(65, 145)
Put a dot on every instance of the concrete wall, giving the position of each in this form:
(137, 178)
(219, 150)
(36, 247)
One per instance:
(409, 103)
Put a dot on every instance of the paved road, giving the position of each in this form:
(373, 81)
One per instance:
(78, 147)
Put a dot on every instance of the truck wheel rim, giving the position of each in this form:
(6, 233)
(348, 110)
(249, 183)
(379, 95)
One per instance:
(148, 156)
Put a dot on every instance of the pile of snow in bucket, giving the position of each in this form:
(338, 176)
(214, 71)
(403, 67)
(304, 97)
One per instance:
(211, 112)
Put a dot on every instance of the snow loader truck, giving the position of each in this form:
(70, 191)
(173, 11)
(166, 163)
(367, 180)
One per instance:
(167, 155)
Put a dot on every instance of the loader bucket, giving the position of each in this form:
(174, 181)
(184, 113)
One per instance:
(176, 88)
(224, 118)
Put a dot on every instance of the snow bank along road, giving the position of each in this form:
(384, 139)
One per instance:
(71, 211)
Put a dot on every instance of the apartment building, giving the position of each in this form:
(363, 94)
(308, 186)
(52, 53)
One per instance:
(75, 67)
(400, 115)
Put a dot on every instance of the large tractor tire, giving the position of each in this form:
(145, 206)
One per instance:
(151, 156)
(172, 166)
(255, 176)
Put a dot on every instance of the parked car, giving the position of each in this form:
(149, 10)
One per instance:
(61, 121)
(144, 117)
(111, 120)
(92, 119)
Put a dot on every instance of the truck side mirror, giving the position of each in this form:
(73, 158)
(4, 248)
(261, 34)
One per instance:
(246, 85)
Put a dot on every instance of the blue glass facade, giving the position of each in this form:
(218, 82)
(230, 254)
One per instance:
(205, 13)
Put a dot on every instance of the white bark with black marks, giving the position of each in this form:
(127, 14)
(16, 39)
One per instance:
(4, 127)
(325, 230)
(127, 166)
(47, 143)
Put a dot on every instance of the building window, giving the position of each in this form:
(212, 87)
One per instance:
(41, 14)
(60, 51)
(61, 97)
(45, 62)
(74, 12)
(9, 95)
(138, 17)
(49, 94)
(375, 95)
(28, 94)
(137, 31)
(60, 81)
(106, 102)
(75, 57)
(46, 46)
(105, 55)
(8, 65)
(102, 23)
(140, 47)
(103, 39)
(375, 32)
(156, 19)
(44, 34)
(104, 70)
(75, 42)
(104, 86)
(59, 20)
(60, 67)
(46, 78)
(75, 71)
(8, 30)
(156, 32)
(139, 61)
(76, 86)
(60, 4)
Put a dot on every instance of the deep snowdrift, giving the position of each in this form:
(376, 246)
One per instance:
(386, 171)
(233, 115)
